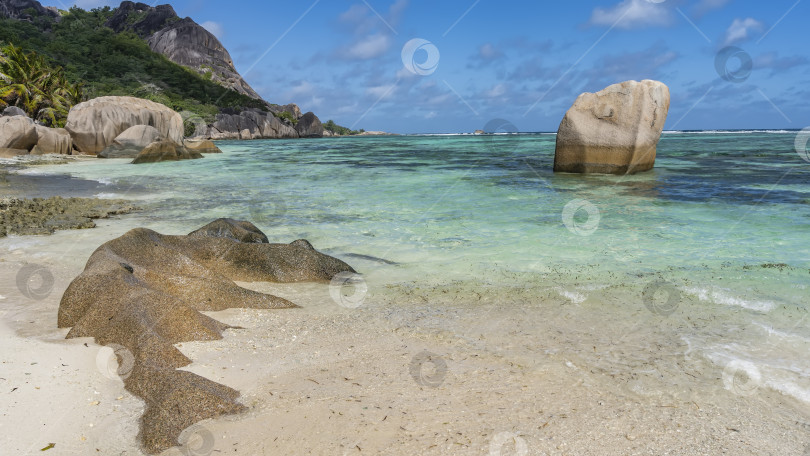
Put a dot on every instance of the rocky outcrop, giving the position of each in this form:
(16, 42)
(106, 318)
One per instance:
(141, 18)
(187, 43)
(25, 217)
(95, 124)
(131, 142)
(615, 131)
(143, 292)
(17, 132)
(201, 146)
(52, 141)
(309, 126)
(249, 124)
(165, 150)
(21, 9)
(12, 111)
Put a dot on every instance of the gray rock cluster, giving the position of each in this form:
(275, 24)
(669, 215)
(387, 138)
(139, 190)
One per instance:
(279, 122)
(19, 135)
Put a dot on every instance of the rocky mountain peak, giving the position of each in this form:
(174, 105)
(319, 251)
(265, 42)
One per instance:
(22, 9)
(141, 18)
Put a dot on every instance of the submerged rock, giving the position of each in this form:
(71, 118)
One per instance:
(615, 131)
(165, 150)
(44, 216)
(202, 146)
(95, 124)
(144, 292)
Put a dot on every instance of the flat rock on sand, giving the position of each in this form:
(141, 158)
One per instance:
(143, 292)
(45, 215)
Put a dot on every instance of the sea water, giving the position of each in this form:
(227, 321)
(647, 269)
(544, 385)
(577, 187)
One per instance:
(707, 255)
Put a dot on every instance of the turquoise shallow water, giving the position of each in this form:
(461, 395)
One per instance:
(718, 231)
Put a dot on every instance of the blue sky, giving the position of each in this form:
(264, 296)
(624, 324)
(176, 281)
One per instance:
(522, 61)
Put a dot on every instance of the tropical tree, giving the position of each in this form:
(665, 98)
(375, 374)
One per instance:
(29, 82)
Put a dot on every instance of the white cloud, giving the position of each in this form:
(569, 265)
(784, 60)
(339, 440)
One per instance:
(369, 47)
(303, 89)
(383, 91)
(632, 14)
(704, 6)
(496, 91)
(740, 29)
(215, 28)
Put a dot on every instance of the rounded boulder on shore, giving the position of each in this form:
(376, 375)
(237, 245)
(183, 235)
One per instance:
(95, 124)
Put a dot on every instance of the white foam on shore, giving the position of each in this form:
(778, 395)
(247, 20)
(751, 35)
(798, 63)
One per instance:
(723, 297)
(791, 389)
(573, 296)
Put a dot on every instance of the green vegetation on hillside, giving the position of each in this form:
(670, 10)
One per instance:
(330, 125)
(284, 115)
(109, 63)
(41, 90)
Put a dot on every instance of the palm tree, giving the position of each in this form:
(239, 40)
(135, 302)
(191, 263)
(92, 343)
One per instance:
(30, 83)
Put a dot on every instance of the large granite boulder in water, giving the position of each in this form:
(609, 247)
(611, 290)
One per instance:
(143, 292)
(309, 126)
(202, 146)
(614, 131)
(95, 124)
(165, 150)
(17, 132)
(131, 142)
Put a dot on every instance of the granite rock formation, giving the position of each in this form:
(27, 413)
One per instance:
(19, 9)
(95, 124)
(309, 126)
(614, 131)
(131, 142)
(144, 292)
(165, 150)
